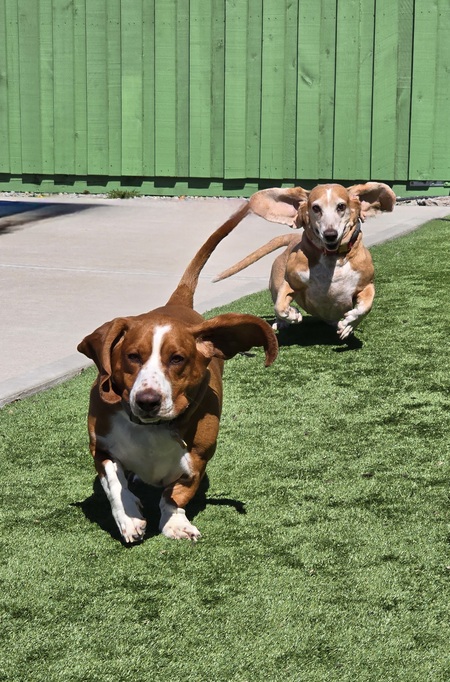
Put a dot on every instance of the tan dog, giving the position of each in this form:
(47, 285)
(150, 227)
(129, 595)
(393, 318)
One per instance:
(326, 270)
(155, 406)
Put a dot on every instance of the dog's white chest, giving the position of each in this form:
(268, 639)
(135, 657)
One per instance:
(330, 289)
(151, 452)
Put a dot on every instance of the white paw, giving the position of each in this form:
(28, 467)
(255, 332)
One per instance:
(129, 520)
(287, 317)
(345, 327)
(132, 529)
(178, 527)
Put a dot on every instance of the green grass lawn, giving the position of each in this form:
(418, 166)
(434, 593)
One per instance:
(325, 521)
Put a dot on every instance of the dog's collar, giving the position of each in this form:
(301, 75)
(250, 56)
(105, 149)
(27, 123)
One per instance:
(344, 247)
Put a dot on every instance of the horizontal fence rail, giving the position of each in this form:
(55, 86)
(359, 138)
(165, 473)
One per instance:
(223, 93)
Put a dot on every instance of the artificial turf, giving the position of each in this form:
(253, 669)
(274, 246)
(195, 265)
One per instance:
(324, 515)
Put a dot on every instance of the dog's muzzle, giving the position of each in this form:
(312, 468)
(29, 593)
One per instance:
(331, 239)
(146, 407)
(149, 402)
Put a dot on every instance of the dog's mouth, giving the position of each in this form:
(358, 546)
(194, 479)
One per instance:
(331, 243)
(144, 421)
(143, 418)
(148, 419)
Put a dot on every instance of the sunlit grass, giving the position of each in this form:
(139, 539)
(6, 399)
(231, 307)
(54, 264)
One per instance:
(324, 554)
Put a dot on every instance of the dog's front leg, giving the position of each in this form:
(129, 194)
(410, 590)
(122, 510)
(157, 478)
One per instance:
(285, 312)
(353, 317)
(174, 523)
(125, 507)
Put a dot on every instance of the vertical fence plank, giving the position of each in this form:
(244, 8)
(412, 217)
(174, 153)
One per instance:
(217, 87)
(80, 82)
(391, 89)
(4, 121)
(235, 88)
(165, 88)
(148, 79)
(200, 88)
(29, 86)
(13, 84)
(273, 94)
(315, 97)
(404, 86)
(254, 81)
(353, 101)
(290, 89)
(63, 66)
(242, 102)
(279, 89)
(47, 92)
(114, 68)
(97, 91)
(424, 89)
(182, 88)
(430, 130)
(206, 83)
(131, 86)
(441, 139)
(171, 78)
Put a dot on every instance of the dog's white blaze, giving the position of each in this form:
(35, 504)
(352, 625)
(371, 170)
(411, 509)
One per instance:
(152, 374)
(330, 219)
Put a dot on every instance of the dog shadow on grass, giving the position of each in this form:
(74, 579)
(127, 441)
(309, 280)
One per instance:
(314, 332)
(97, 509)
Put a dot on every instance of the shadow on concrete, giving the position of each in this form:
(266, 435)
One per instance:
(15, 215)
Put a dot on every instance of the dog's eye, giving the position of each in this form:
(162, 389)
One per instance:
(317, 210)
(341, 207)
(135, 358)
(176, 359)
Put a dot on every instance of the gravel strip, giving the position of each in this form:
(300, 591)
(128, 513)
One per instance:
(404, 201)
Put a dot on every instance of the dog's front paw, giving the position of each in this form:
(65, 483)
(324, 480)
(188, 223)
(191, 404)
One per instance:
(178, 527)
(132, 529)
(129, 520)
(346, 326)
(287, 317)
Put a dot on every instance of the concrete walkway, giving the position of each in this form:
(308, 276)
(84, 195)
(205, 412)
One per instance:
(68, 264)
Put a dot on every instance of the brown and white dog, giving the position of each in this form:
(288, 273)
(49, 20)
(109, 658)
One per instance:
(155, 405)
(326, 270)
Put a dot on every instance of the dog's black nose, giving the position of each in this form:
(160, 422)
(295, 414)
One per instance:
(149, 401)
(330, 235)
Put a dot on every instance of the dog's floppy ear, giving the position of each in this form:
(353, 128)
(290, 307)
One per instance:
(374, 197)
(226, 335)
(98, 347)
(279, 205)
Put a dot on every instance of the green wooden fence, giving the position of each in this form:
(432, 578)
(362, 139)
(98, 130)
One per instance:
(222, 96)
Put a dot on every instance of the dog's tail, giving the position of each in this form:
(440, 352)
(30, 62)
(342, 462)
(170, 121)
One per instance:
(184, 293)
(273, 245)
